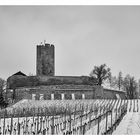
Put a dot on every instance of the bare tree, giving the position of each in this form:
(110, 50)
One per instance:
(112, 80)
(2, 93)
(130, 86)
(139, 87)
(100, 73)
(120, 81)
(2, 85)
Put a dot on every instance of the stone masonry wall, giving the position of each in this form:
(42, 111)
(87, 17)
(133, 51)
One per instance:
(113, 94)
(45, 60)
(58, 91)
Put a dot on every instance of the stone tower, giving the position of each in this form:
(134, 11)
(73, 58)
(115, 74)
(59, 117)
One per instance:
(45, 60)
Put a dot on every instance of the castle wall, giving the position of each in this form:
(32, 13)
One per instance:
(113, 94)
(18, 81)
(57, 90)
(67, 92)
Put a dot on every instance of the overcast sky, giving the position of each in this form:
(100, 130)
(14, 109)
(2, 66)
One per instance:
(84, 36)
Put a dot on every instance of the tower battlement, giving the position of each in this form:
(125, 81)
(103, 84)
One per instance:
(45, 45)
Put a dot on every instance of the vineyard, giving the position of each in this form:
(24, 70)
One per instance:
(65, 117)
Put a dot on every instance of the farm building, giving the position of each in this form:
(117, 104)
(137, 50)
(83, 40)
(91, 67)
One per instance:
(46, 86)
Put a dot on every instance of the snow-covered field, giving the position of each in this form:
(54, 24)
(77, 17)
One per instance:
(65, 123)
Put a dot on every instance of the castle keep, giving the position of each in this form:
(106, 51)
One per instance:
(46, 86)
(45, 60)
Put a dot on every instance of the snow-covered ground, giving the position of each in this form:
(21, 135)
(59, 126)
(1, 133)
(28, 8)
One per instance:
(130, 125)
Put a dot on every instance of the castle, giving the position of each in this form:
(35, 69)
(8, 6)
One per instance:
(46, 86)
